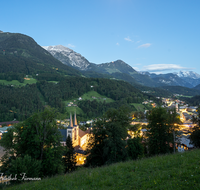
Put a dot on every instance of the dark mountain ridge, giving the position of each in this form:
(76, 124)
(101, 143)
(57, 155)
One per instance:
(20, 53)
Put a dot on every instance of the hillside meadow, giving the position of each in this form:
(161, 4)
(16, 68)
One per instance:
(174, 171)
(16, 83)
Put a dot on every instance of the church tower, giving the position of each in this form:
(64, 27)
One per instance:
(75, 120)
(71, 123)
(70, 128)
(73, 130)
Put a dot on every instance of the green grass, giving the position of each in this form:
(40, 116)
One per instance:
(72, 109)
(17, 83)
(31, 81)
(89, 95)
(184, 96)
(112, 70)
(54, 82)
(13, 82)
(179, 171)
(99, 98)
(86, 96)
(139, 107)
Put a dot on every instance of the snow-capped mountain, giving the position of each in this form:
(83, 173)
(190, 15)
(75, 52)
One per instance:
(188, 74)
(122, 70)
(68, 56)
(183, 78)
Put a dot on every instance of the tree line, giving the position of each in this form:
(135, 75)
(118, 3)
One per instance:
(109, 143)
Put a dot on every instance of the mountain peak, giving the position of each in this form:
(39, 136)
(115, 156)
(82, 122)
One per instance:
(189, 74)
(57, 48)
(68, 57)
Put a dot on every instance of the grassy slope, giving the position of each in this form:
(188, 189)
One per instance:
(73, 109)
(17, 83)
(179, 171)
(86, 96)
(90, 94)
(139, 107)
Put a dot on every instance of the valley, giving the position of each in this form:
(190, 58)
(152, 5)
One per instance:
(33, 80)
(26, 65)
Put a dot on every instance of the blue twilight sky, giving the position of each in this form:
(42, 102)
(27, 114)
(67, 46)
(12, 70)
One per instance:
(150, 35)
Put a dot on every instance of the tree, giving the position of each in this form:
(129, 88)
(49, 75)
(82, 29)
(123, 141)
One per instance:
(107, 144)
(134, 148)
(158, 132)
(24, 167)
(69, 156)
(195, 135)
(173, 123)
(37, 137)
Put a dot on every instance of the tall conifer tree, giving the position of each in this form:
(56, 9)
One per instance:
(69, 157)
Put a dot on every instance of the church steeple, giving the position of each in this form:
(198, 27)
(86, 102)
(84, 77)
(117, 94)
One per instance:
(75, 121)
(71, 122)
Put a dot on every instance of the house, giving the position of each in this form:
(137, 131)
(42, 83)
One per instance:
(8, 123)
(182, 148)
(192, 109)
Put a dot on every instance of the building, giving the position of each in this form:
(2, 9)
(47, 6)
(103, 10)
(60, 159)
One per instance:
(79, 137)
(8, 123)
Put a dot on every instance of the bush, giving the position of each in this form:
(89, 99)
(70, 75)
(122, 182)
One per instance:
(135, 148)
(22, 168)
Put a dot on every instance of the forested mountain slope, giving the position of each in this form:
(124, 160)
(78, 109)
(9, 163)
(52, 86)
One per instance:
(21, 102)
(181, 90)
(21, 54)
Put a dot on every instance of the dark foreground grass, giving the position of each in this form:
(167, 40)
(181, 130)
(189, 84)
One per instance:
(179, 171)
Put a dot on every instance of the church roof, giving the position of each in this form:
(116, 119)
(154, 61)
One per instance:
(88, 131)
(79, 150)
(81, 133)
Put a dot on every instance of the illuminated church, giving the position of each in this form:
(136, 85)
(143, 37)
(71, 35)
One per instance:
(79, 137)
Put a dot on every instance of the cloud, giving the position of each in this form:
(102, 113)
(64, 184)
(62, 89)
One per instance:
(117, 44)
(128, 39)
(144, 45)
(71, 46)
(137, 42)
(164, 67)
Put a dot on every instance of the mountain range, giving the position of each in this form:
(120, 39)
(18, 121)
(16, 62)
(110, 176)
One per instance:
(187, 79)
(121, 70)
(71, 75)
(21, 54)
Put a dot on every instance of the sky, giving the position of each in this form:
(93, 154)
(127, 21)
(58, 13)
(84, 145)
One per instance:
(158, 36)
